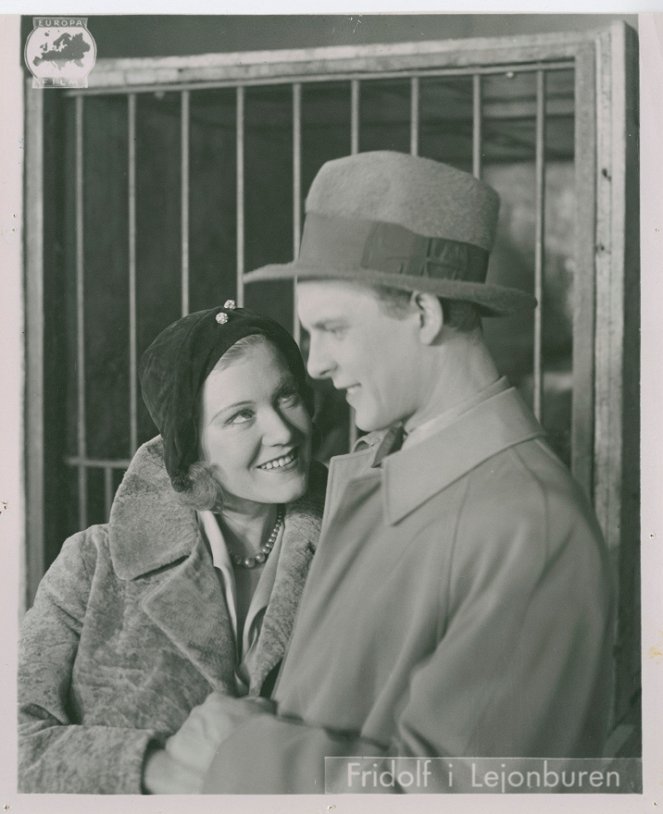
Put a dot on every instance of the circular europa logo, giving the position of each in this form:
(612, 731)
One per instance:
(60, 52)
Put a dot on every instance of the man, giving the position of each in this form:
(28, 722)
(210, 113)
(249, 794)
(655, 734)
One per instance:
(458, 603)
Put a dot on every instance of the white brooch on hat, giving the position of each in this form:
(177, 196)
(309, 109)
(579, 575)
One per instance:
(222, 318)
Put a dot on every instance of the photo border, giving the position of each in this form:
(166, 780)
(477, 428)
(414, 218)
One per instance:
(12, 472)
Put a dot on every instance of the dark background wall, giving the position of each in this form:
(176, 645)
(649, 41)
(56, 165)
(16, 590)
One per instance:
(173, 35)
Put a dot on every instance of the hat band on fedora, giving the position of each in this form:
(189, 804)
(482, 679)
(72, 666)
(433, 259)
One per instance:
(334, 241)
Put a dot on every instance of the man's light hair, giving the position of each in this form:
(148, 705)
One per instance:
(460, 315)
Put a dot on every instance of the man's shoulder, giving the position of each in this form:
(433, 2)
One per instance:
(522, 483)
(529, 466)
(527, 486)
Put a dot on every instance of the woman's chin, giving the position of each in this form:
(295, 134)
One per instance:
(288, 489)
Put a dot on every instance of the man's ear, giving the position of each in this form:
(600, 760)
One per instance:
(430, 315)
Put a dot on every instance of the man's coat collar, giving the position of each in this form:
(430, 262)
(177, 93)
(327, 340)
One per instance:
(411, 476)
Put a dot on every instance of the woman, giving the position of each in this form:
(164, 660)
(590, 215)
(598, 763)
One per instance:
(193, 584)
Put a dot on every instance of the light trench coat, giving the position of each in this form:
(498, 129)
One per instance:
(129, 631)
(459, 605)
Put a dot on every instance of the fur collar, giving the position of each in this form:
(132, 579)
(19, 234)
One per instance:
(149, 528)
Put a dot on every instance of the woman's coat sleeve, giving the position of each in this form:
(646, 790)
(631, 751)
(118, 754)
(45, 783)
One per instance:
(56, 755)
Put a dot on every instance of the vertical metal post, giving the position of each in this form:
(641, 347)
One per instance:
(354, 148)
(539, 239)
(80, 315)
(239, 134)
(184, 187)
(414, 115)
(133, 374)
(354, 116)
(108, 490)
(296, 190)
(476, 125)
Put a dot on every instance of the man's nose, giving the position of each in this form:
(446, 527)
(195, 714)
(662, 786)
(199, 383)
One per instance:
(318, 364)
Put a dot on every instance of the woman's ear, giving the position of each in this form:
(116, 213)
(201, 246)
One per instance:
(430, 314)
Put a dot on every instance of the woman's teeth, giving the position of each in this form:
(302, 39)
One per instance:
(277, 463)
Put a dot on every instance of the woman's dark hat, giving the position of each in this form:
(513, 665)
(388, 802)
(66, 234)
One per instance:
(393, 219)
(174, 367)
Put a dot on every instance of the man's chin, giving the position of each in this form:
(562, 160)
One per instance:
(371, 423)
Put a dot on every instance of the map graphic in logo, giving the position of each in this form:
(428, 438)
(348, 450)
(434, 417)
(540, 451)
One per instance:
(60, 52)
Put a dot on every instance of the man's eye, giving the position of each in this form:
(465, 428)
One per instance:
(338, 332)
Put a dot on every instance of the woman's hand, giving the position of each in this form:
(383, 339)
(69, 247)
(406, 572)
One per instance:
(194, 745)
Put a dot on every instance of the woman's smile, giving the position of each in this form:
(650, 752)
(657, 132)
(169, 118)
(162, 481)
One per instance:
(287, 461)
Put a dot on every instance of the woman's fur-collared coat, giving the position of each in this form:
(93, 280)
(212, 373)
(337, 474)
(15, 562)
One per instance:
(129, 631)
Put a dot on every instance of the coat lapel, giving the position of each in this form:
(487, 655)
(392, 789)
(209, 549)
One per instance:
(156, 540)
(301, 532)
(189, 607)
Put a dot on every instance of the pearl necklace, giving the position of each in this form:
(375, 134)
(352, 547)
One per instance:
(263, 553)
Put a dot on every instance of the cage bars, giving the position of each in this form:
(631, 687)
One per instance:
(354, 149)
(414, 115)
(81, 460)
(133, 328)
(476, 125)
(296, 192)
(354, 116)
(539, 237)
(185, 126)
(80, 313)
(239, 150)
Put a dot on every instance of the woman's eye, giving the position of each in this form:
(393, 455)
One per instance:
(290, 398)
(242, 417)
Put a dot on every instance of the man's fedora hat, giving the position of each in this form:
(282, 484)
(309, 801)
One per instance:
(398, 220)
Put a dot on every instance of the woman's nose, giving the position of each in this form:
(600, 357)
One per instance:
(276, 430)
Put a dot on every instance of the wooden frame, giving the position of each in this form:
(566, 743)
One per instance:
(34, 341)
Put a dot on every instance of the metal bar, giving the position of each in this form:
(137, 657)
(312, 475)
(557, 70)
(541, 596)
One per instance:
(80, 313)
(274, 78)
(184, 187)
(414, 115)
(539, 239)
(296, 191)
(476, 125)
(97, 463)
(240, 193)
(354, 148)
(133, 354)
(35, 555)
(108, 490)
(354, 116)
(587, 266)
